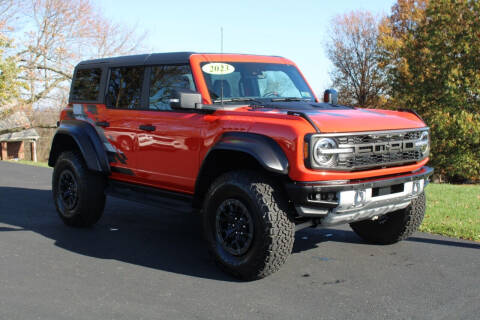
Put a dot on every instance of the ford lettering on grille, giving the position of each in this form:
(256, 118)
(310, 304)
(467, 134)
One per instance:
(385, 147)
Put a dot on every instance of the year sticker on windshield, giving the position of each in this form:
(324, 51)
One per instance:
(218, 68)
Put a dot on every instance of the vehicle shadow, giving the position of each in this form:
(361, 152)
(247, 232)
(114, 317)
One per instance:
(310, 238)
(141, 235)
(128, 232)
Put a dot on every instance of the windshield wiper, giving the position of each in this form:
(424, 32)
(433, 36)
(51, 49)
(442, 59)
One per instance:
(288, 99)
(238, 100)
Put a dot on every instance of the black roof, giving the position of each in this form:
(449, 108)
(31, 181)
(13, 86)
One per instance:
(144, 59)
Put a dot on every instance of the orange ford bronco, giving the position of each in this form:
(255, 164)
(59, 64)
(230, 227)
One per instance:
(243, 139)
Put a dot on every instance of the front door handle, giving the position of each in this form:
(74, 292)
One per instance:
(147, 127)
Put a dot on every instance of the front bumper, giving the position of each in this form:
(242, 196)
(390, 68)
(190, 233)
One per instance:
(339, 202)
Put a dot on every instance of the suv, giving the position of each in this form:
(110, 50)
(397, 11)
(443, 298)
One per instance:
(244, 141)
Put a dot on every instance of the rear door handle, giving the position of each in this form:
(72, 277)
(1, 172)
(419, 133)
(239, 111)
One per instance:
(147, 127)
(102, 123)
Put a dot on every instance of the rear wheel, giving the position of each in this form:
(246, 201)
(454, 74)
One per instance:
(394, 226)
(246, 224)
(78, 193)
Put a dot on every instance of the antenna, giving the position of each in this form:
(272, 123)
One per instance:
(221, 53)
(221, 40)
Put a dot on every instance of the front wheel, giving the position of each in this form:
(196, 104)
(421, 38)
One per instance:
(394, 226)
(78, 193)
(246, 225)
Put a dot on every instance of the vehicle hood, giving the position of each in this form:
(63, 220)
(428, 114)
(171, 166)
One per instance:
(336, 118)
(364, 120)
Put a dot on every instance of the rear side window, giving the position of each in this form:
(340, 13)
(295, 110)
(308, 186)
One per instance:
(124, 89)
(164, 80)
(86, 84)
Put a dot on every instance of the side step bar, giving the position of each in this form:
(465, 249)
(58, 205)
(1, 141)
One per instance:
(164, 199)
(167, 200)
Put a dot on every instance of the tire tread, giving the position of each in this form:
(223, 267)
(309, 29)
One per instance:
(278, 226)
(92, 191)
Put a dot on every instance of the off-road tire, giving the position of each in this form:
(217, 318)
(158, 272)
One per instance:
(273, 228)
(90, 191)
(394, 226)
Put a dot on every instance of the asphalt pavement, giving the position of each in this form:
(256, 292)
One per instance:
(140, 262)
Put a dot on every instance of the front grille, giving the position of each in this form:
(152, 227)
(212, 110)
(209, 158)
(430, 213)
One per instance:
(378, 160)
(377, 149)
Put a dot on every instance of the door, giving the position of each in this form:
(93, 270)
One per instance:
(119, 119)
(169, 140)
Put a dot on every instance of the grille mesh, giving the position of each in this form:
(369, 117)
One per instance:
(369, 160)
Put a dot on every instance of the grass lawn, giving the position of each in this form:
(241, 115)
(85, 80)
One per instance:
(31, 163)
(453, 210)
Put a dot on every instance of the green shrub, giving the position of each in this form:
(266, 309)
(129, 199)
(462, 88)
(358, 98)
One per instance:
(455, 152)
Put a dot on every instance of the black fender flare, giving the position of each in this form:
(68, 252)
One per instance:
(88, 142)
(263, 148)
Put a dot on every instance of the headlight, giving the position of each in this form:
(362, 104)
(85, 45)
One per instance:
(424, 143)
(321, 153)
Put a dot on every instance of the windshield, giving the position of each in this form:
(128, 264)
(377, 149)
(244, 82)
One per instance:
(247, 81)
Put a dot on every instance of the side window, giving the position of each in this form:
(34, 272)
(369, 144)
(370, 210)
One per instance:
(86, 84)
(163, 80)
(124, 89)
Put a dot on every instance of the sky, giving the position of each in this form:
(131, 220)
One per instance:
(296, 30)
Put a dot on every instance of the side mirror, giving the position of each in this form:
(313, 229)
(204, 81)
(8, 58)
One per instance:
(330, 96)
(185, 99)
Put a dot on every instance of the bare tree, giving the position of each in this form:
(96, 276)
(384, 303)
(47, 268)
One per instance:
(60, 28)
(8, 9)
(62, 34)
(112, 39)
(352, 48)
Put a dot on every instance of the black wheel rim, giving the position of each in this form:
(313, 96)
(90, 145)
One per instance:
(68, 190)
(234, 227)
